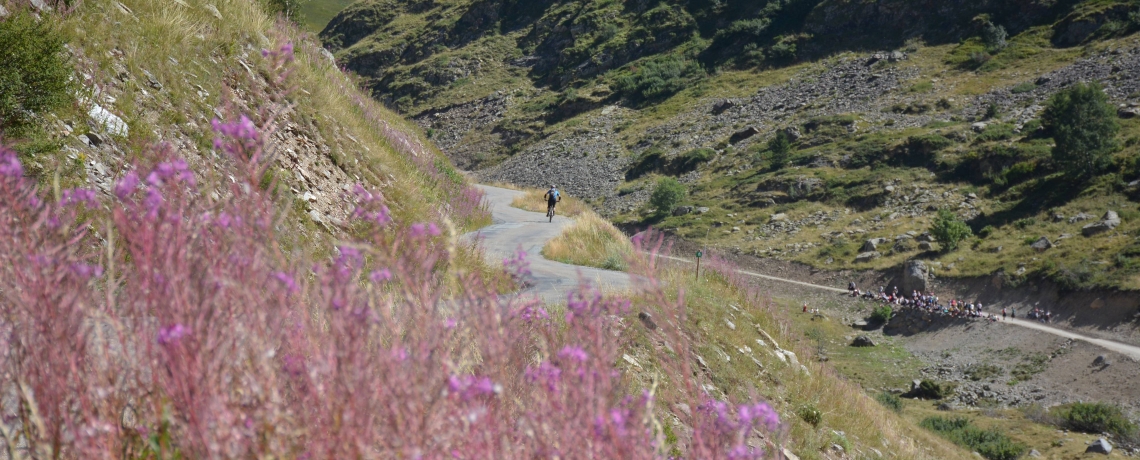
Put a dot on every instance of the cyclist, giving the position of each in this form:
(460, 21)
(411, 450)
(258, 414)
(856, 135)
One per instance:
(552, 197)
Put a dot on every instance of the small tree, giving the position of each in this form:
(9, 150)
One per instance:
(1083, 125)
(667, 195)
(949, 230)
(780, 147)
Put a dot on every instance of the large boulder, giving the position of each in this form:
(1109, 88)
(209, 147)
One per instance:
(1042, 244)
(914, 276)
(863, 341)
(743, 134)
(1110, 221)
(868, 256)
(682, 210)
(1100, 446)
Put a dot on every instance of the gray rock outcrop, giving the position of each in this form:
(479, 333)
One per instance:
(1042, 244)
(1100, 446)
(868, 256)
(1110, 221)
(914, 276)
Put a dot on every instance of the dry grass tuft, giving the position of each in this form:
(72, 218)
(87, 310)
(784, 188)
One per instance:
(533, 201)
(591, 241)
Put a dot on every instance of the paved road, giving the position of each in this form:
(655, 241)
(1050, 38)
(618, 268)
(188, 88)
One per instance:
(1131, 351)
(514, 228)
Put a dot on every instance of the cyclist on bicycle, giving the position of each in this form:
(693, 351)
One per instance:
(552, 197)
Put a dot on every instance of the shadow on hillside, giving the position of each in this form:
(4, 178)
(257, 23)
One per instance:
(1045, 194)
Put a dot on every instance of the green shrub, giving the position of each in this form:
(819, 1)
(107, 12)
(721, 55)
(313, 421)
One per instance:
(983, 372)
(1083, 125)
(986, 231)
(991, 444)
(694, 158)
(34, 72)
(1095, 418)
(949, 230)
(658, 76)
(810, 414)
(291, 9)
(1023, 87)
(882, 314)
(667, 195)
(890, 401)
(1025, 223)
(997, 132)
(779, 148)
(929, 389)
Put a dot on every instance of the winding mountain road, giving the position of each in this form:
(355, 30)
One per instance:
(513, 229)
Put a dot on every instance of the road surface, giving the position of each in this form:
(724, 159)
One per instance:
(513, 229)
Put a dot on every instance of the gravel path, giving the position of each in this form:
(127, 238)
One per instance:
(514, 229)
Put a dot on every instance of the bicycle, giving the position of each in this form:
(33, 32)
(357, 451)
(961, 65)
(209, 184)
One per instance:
(550, 212)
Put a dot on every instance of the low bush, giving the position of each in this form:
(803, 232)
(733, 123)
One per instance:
(657, 76)
(693, 158)
(667, 195)
(984, 372)
(1023, 88)
(929, 389)
(949, 230)
(991, 444)
(890, 401)
(34, 72)
(810, 414)
(881, 314)
(1095, 418)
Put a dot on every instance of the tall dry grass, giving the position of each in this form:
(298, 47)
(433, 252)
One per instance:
(590, 241)
(532, 200)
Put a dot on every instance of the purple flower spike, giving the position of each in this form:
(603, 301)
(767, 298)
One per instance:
(79, 196)
(171, 334)
(573, 353)
(127, 185)
(286, 280)
(10, 165)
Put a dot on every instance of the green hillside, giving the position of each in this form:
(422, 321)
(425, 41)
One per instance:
(895, 109)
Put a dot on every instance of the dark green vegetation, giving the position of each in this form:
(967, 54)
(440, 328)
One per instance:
(667, 195)
(1083, 124)
(991, 444)
(890, 401)
(34, 73)
(929, 389)
(949, 230)
(1094, 418)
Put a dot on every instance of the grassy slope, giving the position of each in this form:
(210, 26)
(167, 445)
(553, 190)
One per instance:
(193, 51)
(317, 13)
(715, 301)
(1027, 56)
(538, 109)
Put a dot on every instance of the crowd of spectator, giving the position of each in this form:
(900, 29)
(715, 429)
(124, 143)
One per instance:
(930, 302)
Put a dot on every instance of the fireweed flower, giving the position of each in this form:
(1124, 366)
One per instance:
(422, 230)
(380, 276)
(287, 281)
(86, 271)
(171, 334)
(546, 374)
(79, 195)
(10, 164)
(127, 185)
(573, 353)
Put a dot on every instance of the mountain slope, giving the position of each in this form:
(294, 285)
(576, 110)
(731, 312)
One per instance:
(604, 97)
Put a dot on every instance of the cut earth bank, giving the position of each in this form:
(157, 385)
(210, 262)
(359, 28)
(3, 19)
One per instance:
(1028, 366)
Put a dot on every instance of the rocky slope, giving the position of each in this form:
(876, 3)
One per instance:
(148, 94)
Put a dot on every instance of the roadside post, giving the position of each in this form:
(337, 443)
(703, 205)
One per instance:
(699, 255)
